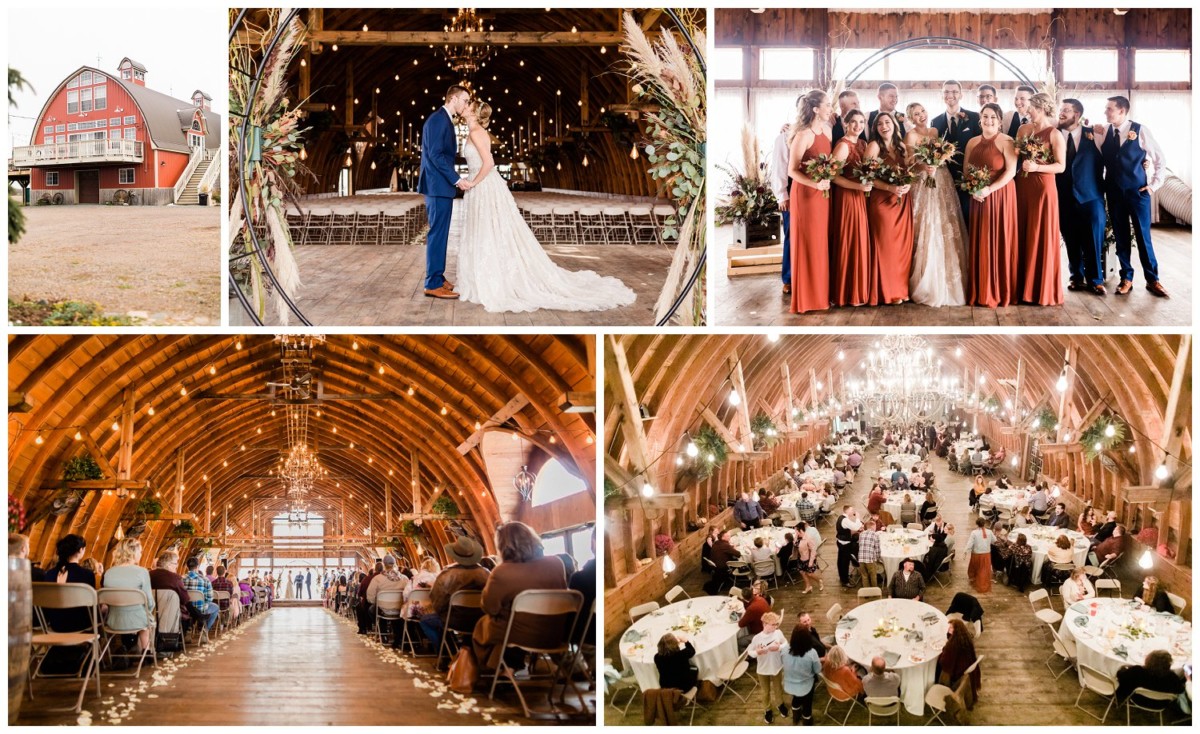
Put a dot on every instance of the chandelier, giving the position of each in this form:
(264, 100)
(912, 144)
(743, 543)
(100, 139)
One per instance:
(299, 341)
(903, 384)
(523, 482)
(466, 58)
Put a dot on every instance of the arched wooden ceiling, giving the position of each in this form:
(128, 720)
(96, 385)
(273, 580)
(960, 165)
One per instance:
(676, 376)
(62, 383)
(517, 82)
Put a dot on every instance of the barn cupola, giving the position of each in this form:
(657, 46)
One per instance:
(201, 100)
(131, 71)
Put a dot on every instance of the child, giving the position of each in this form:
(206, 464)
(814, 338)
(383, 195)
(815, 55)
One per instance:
(767, 647)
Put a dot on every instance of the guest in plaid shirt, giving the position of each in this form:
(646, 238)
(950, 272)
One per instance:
(868, 553)
(806, 509)
(196, 581)
(222, 583)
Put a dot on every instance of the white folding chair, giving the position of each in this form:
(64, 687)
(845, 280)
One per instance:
(838, 694)
(642, 610)
(548, 635)
(675, 592)
(935, 699)
(882, 706)
(1178, 603)
(67, 596)
(201, 623)
(115, 598)
(423, 597)
(869, 592)
(1100, 683)
(1064, 647)
(734, 671)
(1159, 702)
(388, 605)
(1046, 617)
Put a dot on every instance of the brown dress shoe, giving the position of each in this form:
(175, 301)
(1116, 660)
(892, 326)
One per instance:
(447, 284)
(1156, 289)
(442, 292)
(1097, 290)
(1124, 287)
(787, 289)
(1076, 285)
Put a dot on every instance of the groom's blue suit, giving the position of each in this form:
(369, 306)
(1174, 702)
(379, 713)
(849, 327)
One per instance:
(437, 183)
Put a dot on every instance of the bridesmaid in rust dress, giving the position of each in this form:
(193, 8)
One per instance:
(853, 260)
(809, 205)
(890, 214)
(993, 248)
(1040, 264)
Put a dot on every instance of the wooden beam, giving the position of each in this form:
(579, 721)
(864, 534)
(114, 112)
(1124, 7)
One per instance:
(1152, 494)
(514, 406)
(722, 430)
(743, 406)
(787, 388)
(18, 402)
(125, 452)
(620, 379)
(1064, 398)
(349, 111)
(415, 461)
(577, 402)
(651, 17)
(101, 459)
(1172, 434)
(179, 463)
(614, 471)
(562, 39)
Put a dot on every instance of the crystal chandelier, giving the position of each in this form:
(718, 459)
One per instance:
(299, 341)
(466, 58)
(903, 384)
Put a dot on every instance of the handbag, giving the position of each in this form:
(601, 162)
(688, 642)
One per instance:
(169, 642)
(464, 671)
(707, 692)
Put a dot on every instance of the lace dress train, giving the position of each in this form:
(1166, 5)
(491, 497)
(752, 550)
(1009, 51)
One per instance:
(939, 258)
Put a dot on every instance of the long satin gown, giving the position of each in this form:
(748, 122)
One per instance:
(853, 281)
(891, 219)
(993, 234)
(810, 239)
(1040, 263)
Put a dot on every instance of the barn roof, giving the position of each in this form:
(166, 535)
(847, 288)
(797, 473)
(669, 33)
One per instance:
(165, 118)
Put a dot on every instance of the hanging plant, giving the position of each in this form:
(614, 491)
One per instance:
(445, 505)
(82, 468)
(714, 452)
(410, 528)
(184, 529)
(1044, 421)
(766, 434)
(991, 404)
(664, 544)
(611, 490)
(149, 507)
(1106, 432)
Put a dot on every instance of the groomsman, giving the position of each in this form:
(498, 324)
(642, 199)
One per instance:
(987, 95)
(889, 97)
(847, 100)
(958, 126)
(1020, 116)
(1081, 201)
(1130, 151)
(781, 186)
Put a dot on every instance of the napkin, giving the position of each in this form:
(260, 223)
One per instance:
(914, 636)
(1121, 652)
(1080, 607)
(929, 618)
(848, 623)
(633, 635)
(891, 658)
(1081, 621)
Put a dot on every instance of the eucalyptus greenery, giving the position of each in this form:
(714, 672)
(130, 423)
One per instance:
(1046, 420)
(82, 468)
(766, 433)
(1096, 435)
(611, 490)
(185, 528)
(710, 443)
(149, 507)
(445, 505)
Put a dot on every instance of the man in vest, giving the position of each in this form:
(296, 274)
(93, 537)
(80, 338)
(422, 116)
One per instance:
(1019, 116)
(1134, 169)
(1081, 201)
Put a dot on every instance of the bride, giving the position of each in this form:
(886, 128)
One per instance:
(940, 251)
(501, 265)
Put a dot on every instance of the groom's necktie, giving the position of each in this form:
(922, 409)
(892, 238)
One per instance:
(1112, 134)
(1070, 149)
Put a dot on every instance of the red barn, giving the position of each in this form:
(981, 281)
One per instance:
(102, 138)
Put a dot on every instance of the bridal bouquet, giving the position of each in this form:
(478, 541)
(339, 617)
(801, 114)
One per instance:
(823, 168)
(934, 152)
(866, 171)
(1031, 147)
(975, 179)
(897, 175)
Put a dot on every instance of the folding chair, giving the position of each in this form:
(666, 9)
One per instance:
(1100, 683)
(1064, 647)
(424, 597)
(67, 596)
(388, 605)
(1046, 617)
(946, 567)
(882, 706)
(837, 693)
(541, 624)
(466, 607)
(642, 610)
(869, 592)
(591, 227)
(127, 598)
(627, 682)
(564, 227)
(169, 617)
(935, 698)
(1159, 702)
(201, 625)
(645, 229)
(675, 592)
(225, 616)
(616, 223)
(733, 672)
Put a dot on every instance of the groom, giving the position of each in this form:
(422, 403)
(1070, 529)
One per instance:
(438, 182)
(958, 126)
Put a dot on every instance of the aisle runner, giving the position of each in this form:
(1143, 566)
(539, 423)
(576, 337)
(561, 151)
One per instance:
(425, 679)
(117, 711)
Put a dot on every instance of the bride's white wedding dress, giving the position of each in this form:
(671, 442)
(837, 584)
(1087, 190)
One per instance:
(503, 267)
(940, 254)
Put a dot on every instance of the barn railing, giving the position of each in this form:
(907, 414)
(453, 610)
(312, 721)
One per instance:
(84, 151)
(193, 160)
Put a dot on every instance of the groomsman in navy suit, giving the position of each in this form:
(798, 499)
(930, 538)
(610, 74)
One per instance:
(1019, 116)
(958, 126)
(1081, 200)
(1130, 152)
(889, 97)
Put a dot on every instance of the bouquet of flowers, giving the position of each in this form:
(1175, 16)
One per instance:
(823, 168)
(975, 179)
(1032, 148)
(749, 198)
(866, 171)
(897, 175)
(934, 152)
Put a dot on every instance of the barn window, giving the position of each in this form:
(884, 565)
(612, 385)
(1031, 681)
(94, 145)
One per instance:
(126, 74)
(85, 100)
(125, 176)
(73, 83)
(195, 124)
(790, 64)
(576, 542)
(48, 130)
(60, 138)
(130, 120)
(114, 121)
(100, 94)
(52, 178)
(60, 128)
(1162, 66)
(554, 482)
(72, 103)
(728, 64)
(85, 78)
(1090, 65)
(131, 133)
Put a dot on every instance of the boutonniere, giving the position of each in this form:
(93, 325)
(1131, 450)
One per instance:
(962, 115)
(1131, 136)
(1090, 136)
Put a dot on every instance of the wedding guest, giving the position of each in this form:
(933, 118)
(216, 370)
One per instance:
(838, 670)
(906, 582)
(889, 213)
(992, 223)
(1078, 587)
(987, 95)
(805, 509)
(674, 663)
(1108, 550)
(1105, 531)
(752, 619)
(127, 574)
(70, 550)
(809, 206)
(767, 648)
(847, 100)
(204, 609)
(958, 126)
(979, 545)
(1019, 115)
(957, 656)
(768, 502)
(722, 553)
(781, 186)
(934, 557)
(853, 257)
(1081, 201)
(888, 97)
(879, 682)
(1020, 563)
(714, 534)
(165, 576)
(1086, 524)
(1061, 551)
(747, 512)
(1154, 595)
(875, 499)
(1153, 674)
(1037, 208)
(848, 527)
(908, 510)
(1134, 168)
(801, 667)
(762, 558)
(463, 574)
(806, 560)
(869, 564)
(1059, 517)
(223, 583)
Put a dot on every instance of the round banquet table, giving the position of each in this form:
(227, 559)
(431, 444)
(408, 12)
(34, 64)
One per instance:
(787, 503)
(1010, 499)
(896, 545)
(906, 461)
(845, 448)
(715, 641)
(1042, 537)
(1099, 628)
(910, 646)
(894, 499)
(819, 477)
(965, 444)
(773, 538)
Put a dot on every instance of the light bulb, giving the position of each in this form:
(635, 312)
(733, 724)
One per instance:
(711, 458)
(1061, 385)
(647, 490)
(78, 436)
(679, 461)
(39, 440)
(116, 426)
(1014, 461)
(1162, 472)
(692, 450)
(1097, 446)
(1110, 430)
(668, 565)
(734, 398)
(1145, 561)
(633, 152)
(773, 337)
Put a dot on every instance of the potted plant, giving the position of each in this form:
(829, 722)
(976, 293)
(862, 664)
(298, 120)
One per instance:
(82, 468)
(148, 507)
(185, 529)
(445, 505)
(749, 203)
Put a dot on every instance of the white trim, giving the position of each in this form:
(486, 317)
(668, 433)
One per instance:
(132, 176)
(48, 175)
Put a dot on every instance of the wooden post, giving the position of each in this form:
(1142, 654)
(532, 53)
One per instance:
(787, 389)
(1171, 438)
(1064, 398)
(743, 407)
(125, 454)
(620, 379)
(584, 113)
(306, 73)
(349, 111)
(387, 507)
(415, 461)
(179, 463)
(207, 507)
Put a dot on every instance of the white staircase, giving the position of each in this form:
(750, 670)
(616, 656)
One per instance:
(191, 192)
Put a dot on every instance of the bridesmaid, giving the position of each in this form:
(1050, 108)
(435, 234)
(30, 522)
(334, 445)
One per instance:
(1040, 264)
(810, 208)
(890, 214)
(993, 220)
(850, 235)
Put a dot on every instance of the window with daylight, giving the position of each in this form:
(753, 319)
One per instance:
(52, 178)
(130, 120)
(790, 64)
(60, 128)
(85, 100)
(85, 78)
(1162, 66)
(73, 83)
(555, 482)
(72, 103)
(126, 74)
(575, 542)
(49, 129)
(131, 133)
(727, 114)
(1089, 65)
(100, 94)
(125, 176)
(728, 64)
(114, 121)
(60, 138)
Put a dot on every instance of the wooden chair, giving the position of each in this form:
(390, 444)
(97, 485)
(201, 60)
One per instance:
(67, 596)
(466, 607)
(642, 610)
(882, 706)
(127, 598)
(1102, 684)
(548, 635)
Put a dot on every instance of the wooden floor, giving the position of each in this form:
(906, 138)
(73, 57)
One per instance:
(757, 300)
(293, 666)
(384, 286)
(1018, 688)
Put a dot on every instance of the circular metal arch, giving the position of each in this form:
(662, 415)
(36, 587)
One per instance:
(934, 42)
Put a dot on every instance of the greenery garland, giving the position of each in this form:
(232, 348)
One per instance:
(766, 433)
(1045, 420)
(1095, 438)
(445, 505)
(710, 444)
(82, 468)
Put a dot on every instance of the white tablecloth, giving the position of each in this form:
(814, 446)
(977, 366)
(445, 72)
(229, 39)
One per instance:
(894, 547)
(965, 444)
(911, 650)
(906, 461)
(1099, 640)
(788, 502)
(1010, 499)
(819, 477)
(894, 499)
(773, 538)
(1041, 538)
(715, 642)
